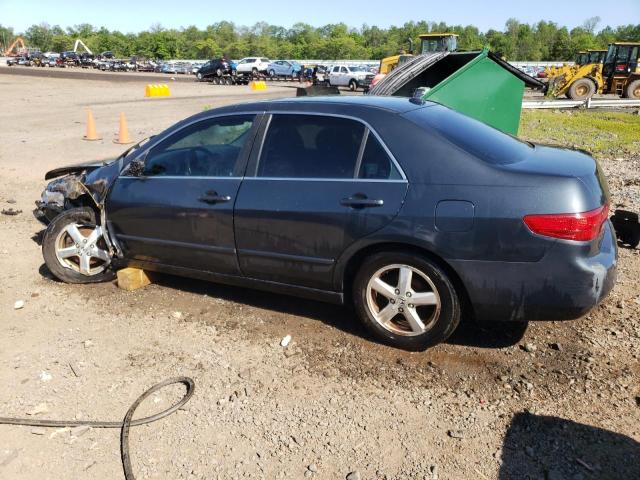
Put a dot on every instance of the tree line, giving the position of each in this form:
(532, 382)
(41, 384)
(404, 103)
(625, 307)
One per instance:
(546, 41)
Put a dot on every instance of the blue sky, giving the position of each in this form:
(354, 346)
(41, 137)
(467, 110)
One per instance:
(134, 16)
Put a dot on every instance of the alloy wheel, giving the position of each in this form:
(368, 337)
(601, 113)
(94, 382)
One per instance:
(82, 248)
(403, 300)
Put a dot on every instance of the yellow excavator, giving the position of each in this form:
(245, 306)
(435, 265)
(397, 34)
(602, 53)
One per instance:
(429, 43)
(615, 71)
(19, 43)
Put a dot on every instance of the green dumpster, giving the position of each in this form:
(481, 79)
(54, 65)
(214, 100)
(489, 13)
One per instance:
(478, 84)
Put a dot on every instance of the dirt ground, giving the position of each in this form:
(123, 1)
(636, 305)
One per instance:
(557, 401)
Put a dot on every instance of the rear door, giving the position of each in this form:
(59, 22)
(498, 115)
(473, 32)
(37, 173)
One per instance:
(180, 211)
(320, 183)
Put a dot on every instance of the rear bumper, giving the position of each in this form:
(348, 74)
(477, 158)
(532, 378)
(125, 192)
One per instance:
(565, 284)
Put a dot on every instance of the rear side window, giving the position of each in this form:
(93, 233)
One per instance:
(473, 136)
(376, 163)
(310, 146)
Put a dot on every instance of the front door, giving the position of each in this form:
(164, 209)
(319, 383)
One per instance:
(321, 183)
(179, 212)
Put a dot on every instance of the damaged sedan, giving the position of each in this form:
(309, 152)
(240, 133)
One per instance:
(415, 214)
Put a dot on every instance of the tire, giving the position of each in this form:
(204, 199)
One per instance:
(272, 73)
(439, 315)
(254, 72)
(216, 80)
(353, 85)
(199, 76)
(581, 89)
(219, 72)
(633, 90)
(58, 237)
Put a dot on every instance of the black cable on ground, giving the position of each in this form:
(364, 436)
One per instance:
(125, 425)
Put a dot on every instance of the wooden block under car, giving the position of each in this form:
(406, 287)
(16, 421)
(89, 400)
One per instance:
(132, 278)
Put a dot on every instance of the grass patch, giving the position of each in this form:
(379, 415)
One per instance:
(603, 133)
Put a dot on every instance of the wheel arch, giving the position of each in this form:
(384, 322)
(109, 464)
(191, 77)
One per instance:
(347, 268)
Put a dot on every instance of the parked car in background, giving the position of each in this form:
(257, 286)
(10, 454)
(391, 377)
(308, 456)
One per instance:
(145, 66)
(252, 66)
(415, 213)
(216, 67)
(350, 76)
(12, 61)
(168, 67)
(284, 68)
(69, 58)
(183, 68)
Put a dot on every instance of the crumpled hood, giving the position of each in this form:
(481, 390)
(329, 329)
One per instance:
(78, 168)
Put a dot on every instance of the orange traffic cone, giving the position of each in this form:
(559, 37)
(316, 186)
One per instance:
(123, 135)
(91, 128)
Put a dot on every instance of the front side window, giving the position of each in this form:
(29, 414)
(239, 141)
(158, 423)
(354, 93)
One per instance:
(343, 70)
(310, 146)
(210, 148)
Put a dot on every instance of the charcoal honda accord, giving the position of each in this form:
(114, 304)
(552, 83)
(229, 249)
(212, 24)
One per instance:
(409, 211)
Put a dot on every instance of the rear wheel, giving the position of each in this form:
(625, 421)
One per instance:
(406, 301)
(353, 85)
(74, 248)
(633, 90)
(216, 80)
(581, 89)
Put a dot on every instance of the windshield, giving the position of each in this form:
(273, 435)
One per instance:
(357, 69)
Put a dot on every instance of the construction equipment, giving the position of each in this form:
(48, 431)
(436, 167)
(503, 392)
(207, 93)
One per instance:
(617, 73)
(621, 70)
(20, 50)
(479, 84)
(80, 43)
(429, 43)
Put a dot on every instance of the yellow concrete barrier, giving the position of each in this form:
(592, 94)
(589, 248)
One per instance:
(152, 90)
(258, 85)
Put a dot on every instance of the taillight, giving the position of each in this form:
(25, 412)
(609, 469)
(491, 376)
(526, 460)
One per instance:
(621, 67)
(569, 226)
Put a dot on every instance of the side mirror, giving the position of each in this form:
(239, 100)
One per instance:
(136, 168)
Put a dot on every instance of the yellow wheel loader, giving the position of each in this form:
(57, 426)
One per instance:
(616, 72)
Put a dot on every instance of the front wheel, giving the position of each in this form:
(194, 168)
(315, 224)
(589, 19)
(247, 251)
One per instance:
(353, 85)
(272, 73)
(405, 300)
(199, 76)
(633, 90)
(581, 89)
(74, 248)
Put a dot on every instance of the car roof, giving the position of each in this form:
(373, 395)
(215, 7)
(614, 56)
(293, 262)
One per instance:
(391, 104)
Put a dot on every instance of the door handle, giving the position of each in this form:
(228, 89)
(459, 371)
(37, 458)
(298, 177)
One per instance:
(212, 197)
(359, 201)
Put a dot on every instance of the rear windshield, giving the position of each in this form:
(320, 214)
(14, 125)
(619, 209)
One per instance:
(477, 138)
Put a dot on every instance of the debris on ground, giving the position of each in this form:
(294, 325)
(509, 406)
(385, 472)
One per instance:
(45, 376)
(11, 211)
(18, 304)
(285, 341)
